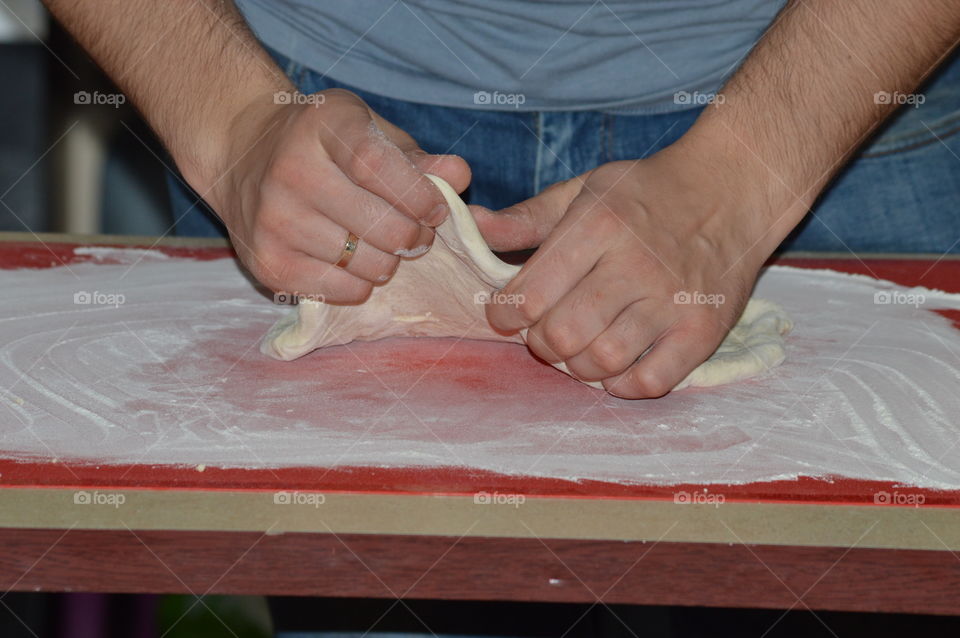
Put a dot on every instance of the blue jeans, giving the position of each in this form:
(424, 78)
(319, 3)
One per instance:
(900, 193)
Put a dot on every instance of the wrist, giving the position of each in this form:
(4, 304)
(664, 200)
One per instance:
(229, 132)
(766, 202)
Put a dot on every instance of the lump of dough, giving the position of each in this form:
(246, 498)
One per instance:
(442, 294)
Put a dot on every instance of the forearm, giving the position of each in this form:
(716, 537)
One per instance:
(190, 66)
(805, 98)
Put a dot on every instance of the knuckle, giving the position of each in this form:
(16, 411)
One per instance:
(649, 382)
(288, 172)
(389, 228)
(523, 210)
(506, 318)
(340, 94)
(584, 304)
(560, 337)
(388, 264)
(608, 354)
(581, 371)
(406, 235)
(603, 220)
(368, 159)
(394, 237)
(531, 309)
(341, 109)
(383, 267)
(538, 345)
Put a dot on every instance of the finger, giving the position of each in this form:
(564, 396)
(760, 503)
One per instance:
(583, 314)
(669, 361)
(506, 231)
(369, 217)
(620, 345)
(375, 163)
(424, 241)
(453, 169)
(528, 223)
(568, 254)
(326, 240)
(297, 272)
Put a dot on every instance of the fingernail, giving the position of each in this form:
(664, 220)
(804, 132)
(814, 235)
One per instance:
(413, 252)
(438, 214)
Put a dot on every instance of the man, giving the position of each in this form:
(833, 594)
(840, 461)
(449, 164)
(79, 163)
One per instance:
(645, 196)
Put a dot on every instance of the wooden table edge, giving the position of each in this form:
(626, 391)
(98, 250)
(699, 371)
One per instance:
(481, 568)
(484, 514)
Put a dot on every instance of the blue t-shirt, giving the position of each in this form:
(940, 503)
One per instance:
(633, 56)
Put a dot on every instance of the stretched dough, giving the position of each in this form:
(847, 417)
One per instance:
(442, 294)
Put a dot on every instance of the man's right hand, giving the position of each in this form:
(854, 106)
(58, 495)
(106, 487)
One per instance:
(297, 178)
(289, 180)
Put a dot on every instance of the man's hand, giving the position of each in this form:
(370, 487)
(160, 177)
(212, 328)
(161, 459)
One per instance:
(657, 254)
(703, 215)
(297, 178)
(289, 180)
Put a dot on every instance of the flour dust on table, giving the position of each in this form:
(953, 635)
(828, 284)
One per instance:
(172, 376)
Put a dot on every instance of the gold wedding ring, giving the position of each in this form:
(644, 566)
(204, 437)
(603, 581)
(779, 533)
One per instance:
(349, 248)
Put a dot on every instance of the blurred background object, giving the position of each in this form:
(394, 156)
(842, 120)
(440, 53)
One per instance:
(22, 21)
(74, 154)
(23, 102)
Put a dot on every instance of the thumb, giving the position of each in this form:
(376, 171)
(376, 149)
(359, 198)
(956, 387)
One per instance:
(528, 223)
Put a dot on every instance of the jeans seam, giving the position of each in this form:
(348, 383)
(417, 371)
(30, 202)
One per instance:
(295, 72)
(606, 137)
(920, 143)
(292, 69)
(538, 124)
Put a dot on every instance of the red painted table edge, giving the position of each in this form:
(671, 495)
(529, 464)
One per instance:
(685, 574)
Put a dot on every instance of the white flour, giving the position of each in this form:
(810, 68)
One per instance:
(120, 255)
(162, 367)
